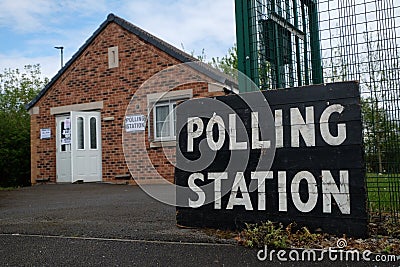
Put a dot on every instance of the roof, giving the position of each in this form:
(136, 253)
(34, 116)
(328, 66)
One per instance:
(160, 44)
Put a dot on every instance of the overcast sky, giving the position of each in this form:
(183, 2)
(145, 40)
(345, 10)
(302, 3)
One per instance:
(29, 29)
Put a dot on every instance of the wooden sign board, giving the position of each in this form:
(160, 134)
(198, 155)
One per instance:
(317, 177)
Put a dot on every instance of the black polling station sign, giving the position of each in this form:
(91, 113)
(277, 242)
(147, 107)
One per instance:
(298, 159)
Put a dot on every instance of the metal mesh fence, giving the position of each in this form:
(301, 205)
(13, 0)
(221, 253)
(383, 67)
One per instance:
(301, 42)
(360, 40)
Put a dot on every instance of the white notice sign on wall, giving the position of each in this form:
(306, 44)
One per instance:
(45, 133)
(135, 123)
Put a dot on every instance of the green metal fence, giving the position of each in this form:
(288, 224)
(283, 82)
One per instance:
(288, 43)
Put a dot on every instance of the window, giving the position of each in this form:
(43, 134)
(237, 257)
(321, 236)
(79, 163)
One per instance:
(164, 118)
(80, 133)
(93, 133)
(63, 146)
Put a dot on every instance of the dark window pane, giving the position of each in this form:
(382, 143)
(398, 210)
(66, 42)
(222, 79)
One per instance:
(80, 133)
(93, 133)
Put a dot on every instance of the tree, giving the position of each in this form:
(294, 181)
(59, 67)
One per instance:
(16, 90)
(228, 63)
(381, 138)
(379, 81)
(379, 88)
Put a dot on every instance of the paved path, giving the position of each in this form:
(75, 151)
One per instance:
(108, 225)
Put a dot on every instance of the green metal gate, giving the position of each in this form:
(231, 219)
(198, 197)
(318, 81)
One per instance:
(278, 42)
(290, 43)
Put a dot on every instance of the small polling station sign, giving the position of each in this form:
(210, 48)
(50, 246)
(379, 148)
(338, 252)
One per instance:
(135, 123)
(288, 155)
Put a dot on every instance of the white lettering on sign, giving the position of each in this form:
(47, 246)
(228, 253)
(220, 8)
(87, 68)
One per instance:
(192, 134)
(217, 177)
(135, 123)
(215, 120)
(239, 185)
(255, 140)
(300, 127)
(282, 195)
(324, 124)
(312, 191)
(279, 128)
(341, 196)
(260, 176)
(233, 144)
(340, 193)
(201, 195)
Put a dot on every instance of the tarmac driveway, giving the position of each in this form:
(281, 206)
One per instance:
(110, 225)
(91, 210)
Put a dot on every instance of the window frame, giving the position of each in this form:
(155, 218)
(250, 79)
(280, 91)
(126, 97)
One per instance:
(95, 132)
(172, 122)
(153, 99)
(83, 133)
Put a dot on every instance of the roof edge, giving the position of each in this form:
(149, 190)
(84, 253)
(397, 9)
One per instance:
(69, 63)
(142, 34)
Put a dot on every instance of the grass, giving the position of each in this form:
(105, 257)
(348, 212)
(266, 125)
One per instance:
(383, 192)
(6, 188)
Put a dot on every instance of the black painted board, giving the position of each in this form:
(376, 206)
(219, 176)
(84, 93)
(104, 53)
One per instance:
(334, 91)
(350, 105)
(354, 177)
(272, 195)
(346, 157)
(325, 158)
(353, 137)
(355, 227)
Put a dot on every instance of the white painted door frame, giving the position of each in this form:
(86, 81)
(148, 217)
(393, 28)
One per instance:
(78, 147)
(86, 153)
(63, 150)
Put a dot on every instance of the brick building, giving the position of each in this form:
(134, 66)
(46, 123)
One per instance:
(93, 110)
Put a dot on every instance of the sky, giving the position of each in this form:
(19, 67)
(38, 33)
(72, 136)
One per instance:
(29, 30)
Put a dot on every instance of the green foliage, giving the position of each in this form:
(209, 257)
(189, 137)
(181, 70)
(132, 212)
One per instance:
(228, 63)
(388, 249)
(302, 237)
(379, 88)
(275, 236)
(381, 138)
(16, 90)
(7, 188)
(202, 57)
(269, 234)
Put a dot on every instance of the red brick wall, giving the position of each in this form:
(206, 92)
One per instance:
(88, 79)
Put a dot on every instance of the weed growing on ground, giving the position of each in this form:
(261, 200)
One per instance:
(274, 235)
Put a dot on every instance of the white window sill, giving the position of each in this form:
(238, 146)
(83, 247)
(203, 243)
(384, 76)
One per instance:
(170, 143)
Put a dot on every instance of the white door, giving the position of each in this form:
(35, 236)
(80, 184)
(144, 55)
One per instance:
(63, 154)
(86, 147)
